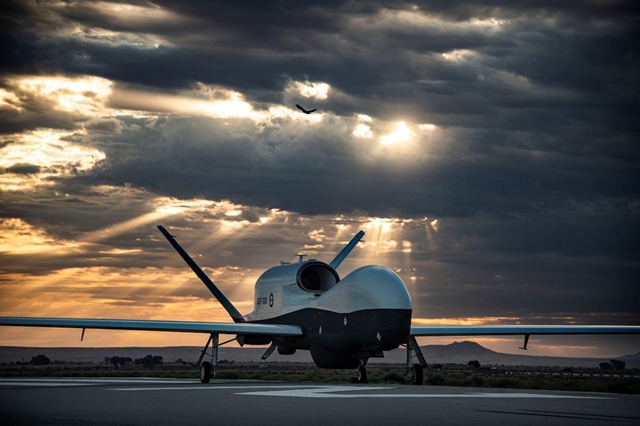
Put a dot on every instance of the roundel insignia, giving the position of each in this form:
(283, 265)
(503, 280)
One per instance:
(271, 300)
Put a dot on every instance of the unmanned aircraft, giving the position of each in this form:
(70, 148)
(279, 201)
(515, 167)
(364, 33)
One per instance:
(342, 322)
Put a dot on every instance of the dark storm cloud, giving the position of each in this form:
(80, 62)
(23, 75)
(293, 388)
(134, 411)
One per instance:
(223, 44)
(252, 52)
(26, 169)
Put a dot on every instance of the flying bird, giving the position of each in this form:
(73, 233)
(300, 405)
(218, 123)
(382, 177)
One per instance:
(304, 110)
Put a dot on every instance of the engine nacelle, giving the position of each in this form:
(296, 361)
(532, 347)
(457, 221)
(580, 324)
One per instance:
(291, 285)
(311, 276)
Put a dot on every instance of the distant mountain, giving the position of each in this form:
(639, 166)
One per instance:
(457, 349)
(454, 353)
(463, 352)
(634, 358)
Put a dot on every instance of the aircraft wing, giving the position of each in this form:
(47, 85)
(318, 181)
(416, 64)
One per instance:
(153, 325)
(506, 330)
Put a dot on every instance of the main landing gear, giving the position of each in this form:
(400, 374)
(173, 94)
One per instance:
(205, 372)
(208, 369)
(415, 372)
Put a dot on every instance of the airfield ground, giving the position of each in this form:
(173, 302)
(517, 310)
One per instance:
(542, 378)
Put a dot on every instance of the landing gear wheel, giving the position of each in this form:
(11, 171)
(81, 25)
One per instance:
(362, 374)
(417, 374)
(205, 372)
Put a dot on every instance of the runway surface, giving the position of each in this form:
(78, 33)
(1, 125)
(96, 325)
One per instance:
(133, 401)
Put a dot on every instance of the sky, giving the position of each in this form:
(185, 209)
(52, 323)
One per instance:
(489, 150)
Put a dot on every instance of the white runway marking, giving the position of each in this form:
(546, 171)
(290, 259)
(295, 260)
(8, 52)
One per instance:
(199, 387)
(54, 382)
(346, 391)
(278, 390)
(40, 384)
(331, 392)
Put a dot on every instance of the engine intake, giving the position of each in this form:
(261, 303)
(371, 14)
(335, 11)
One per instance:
(316, 277)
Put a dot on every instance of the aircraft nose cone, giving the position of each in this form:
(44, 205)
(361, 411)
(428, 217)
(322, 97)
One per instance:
(379, 287)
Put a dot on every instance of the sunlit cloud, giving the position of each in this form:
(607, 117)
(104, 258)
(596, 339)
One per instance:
(225, 213)
(205, 101)
(131, 14)
(171, 206)
(136, 17)
(314, 90)
(231, 226)
(126, 226)
(317, 235)
(363, 128)
(84, 95)
(46, 148)
(427, 126)
(391, 20)
(387, 235)
(401, 133)
(32, 158)
(417, 22)
(116, 251)
(48, 153)
(514, 80)
(488, 23)
(363, 131)
(232, 105)
(399, 143)
(459, 55)
(19, 237)
(9, 100)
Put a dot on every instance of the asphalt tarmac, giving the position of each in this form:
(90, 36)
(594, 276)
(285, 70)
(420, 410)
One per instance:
(133, 401)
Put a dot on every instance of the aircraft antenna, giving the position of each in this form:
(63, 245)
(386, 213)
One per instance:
(346, 250)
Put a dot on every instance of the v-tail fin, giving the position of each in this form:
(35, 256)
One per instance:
(226, 303)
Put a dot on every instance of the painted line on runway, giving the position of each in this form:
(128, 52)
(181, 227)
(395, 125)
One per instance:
(346, 391)
(59, 382)
(214, 387)
(42, 385)
(335, 392)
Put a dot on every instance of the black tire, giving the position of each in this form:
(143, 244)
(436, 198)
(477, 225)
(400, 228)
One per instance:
(362, 374)
(417, 374)
(205, 372)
